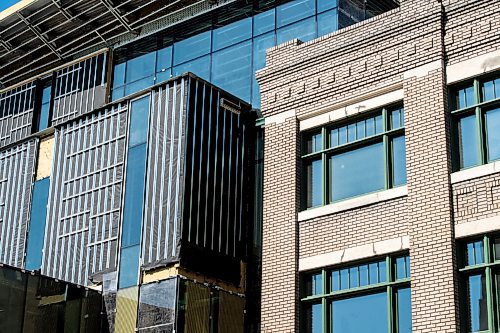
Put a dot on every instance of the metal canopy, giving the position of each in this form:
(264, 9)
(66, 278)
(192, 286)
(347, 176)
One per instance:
(48, 33)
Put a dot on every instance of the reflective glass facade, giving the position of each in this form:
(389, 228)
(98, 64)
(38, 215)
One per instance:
(368, 297)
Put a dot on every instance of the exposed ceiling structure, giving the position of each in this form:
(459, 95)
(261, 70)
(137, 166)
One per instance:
(47, 33)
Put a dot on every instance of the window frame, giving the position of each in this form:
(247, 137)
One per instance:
(390, 287)
(489, 267)
(478, 109)
(386, 137)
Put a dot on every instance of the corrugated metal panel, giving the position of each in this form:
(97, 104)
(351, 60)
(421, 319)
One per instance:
(16, 172)
(165, 173)
(85, 197)
(80, 88)
(16, 113)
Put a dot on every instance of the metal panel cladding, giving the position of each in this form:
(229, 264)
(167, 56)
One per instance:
(165, 173)
(85, 196)
(79, 88)
(16, 113)
(16, 176)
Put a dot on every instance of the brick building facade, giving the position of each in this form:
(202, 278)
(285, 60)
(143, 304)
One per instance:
(415, 55)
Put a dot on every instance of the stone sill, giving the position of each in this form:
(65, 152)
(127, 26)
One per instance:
(357, 202)
(475, 172)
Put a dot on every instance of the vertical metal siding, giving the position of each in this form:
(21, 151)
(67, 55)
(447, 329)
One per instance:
(16, 113)
(85, 197)
(79, 88)
(165, 173)
(17, 166)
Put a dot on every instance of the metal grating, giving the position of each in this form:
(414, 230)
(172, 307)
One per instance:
(16, 113)
(84, 210)
(16, 171)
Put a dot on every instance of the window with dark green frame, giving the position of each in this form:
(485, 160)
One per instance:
(475, 109)
(372, 296)
(480, 284)
(361, 155)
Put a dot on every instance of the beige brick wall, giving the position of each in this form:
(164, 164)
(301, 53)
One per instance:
(390, 49)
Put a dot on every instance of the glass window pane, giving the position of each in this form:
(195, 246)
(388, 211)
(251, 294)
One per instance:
(314, 318)
(232, 33)
(192, 47)
(357, 172)
(397, 120)
(327, 22)
(465, 97)
(478, 310)
(314, 178)
(353, 277)
(313, 143)
(488, 91)
(398, 161)
(344, 279)
(117, 93)
(335, 282)
(475, 253)
(163, 75)
(402, 267)
(134, 195)
(367, 313)
(199, 67)
(294, 11)
(404, 310)
(139, 122)
(303, 30)
(317, 284)
(496, 248)
(379, 127)
(373, 269)
(360, 130)
(363, 275)
(370, 127)
(36, 231)
(342, 135)
(334, 138)
(140, 67)
(260, 45)
(12, 295)
(468, 142)
(232, 69)
(351, 132)
(493, 134)
(264, 22)
(119, 74)
(129, 266)
(326, 4)
(164, 59)
(382, 271)
(157, 305)
(139, 85)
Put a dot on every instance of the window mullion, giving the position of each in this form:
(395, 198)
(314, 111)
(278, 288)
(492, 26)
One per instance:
(387, 151)
(324, 168)
(389, 291)
(480, 125)
(324, 303)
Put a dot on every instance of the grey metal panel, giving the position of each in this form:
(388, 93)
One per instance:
(16, 113)
(17, 166)
(79, 88)
(85, 197)
(165, 174)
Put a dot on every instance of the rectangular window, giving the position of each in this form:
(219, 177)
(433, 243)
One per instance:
(479, 284)
(475, 110)
(367, 297)
(354, 157)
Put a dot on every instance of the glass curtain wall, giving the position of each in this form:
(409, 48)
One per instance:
(354, 157)
(475, 109)
(227, 56)
(368, 297)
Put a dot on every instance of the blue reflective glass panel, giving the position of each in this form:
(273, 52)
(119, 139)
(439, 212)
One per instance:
(232, 69)
(475, 253)
(367, 313)
(36, 231)
(164, 59)
(314, 318)
(192, 47)
(344, 279)
(353, 277)
(404, 310)
(402, 267)
(357, 172)
(134, 195)
(397, 118)
(477, 303)
(382, 271)
(141, 67)
(303, 30)
(199, 67)
(260, 45)
(313, 143)
(327, 22)
(326, 4)
(232, 33)
(398, 161)
(314, 183)
(163, 75)
(139, 116)
(491, 90)
(493, 134)
(119, 75)
(294, 11)
(264, 22)
(465, 97)
(363, 275)
(335, 281)
(47, 91)
(129, 266)
(138, 85)
(468, 142)
(316, 284)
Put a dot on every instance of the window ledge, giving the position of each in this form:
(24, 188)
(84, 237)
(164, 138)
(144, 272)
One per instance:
(357, 202)
(475, 172)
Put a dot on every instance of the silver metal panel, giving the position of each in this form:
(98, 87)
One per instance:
(79, 88)
(165, 173)
(85, 197)
(17, 166)
(16, 113)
